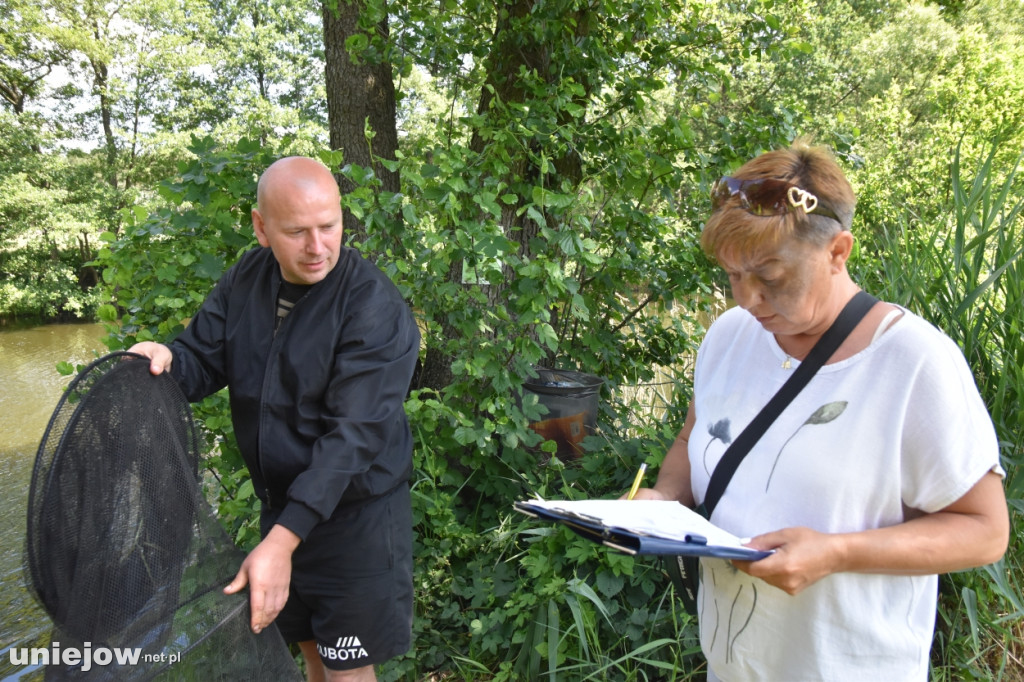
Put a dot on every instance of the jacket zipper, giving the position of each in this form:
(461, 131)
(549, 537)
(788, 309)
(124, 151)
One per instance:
(277, 329)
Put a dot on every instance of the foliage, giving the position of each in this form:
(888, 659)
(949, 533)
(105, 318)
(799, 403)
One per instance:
(554, 173)
(100, 101)
(506, 599)
(955, 87)
(550, 231)
(467, 471)
(45, 235)
(966, 275)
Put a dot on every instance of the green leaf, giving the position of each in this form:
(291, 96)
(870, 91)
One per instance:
(546, 335)
(107, 313)
(246, 490)
(609, 584)
(209, 267)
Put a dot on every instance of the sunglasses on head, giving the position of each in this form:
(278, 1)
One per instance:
(767, 196)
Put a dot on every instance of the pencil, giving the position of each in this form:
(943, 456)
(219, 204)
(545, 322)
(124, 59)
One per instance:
(636, 481)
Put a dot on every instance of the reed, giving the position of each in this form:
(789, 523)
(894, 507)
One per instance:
(966, 276)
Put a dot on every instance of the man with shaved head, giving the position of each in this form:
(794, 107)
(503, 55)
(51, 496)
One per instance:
(317, 349)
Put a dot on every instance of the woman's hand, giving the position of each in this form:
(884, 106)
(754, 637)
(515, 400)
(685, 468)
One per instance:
(972, 531)
(802, 557)
(646, 494)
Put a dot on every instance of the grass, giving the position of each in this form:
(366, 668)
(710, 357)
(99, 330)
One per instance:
(966, 276)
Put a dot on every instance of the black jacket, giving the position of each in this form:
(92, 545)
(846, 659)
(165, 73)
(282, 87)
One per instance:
(318, 407)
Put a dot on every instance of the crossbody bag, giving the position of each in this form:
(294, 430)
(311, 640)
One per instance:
(683, 570)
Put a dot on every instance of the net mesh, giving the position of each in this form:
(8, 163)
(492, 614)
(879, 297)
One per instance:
(123, 552)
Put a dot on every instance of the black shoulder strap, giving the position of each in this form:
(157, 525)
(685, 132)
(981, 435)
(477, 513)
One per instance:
(851, 315)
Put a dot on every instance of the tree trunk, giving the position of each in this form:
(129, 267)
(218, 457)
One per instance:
(100, 81)
(358, 95)
(512, 50)
(259, 68)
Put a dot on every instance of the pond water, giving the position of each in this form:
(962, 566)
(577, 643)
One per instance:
(30, 388)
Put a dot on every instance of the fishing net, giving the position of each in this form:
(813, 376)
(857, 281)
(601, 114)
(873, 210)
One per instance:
(124, 553)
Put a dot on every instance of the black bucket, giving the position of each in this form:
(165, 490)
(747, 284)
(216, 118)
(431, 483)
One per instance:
(572, 402)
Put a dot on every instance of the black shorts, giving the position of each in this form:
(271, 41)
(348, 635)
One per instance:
(351, 587)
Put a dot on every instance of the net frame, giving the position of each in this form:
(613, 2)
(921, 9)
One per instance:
(122, 549)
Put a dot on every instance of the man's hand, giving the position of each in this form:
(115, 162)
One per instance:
(160, 356)
(267, 571)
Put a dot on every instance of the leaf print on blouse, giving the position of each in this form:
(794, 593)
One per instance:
(735, 618)
(718, 431)
(741, 610)
(823, 415)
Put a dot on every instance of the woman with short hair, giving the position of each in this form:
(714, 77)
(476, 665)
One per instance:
(882, 473)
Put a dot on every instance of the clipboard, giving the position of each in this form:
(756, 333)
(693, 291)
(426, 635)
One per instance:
(646, 527)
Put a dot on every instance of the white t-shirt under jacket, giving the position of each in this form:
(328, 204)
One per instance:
(896, 430)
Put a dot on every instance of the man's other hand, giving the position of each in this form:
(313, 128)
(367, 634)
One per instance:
(267, 571)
